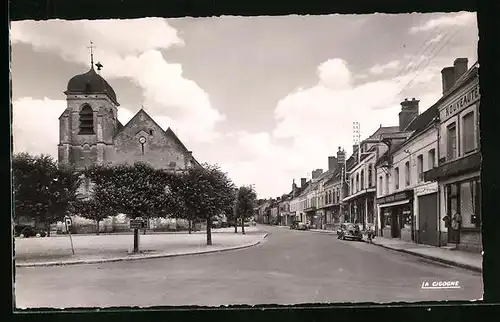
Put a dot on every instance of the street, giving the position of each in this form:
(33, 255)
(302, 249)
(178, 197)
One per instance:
(290, 267)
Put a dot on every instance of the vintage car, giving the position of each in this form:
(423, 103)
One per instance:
(298, 225)
(25, 231)
(350, 231)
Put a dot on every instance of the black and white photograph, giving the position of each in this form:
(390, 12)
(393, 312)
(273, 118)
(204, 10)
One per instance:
(246, 160)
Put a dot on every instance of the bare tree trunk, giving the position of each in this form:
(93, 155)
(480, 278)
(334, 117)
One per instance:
(47, 227)
(243, 225)
(209, 231)
(235, 226)
(190, 225)
(97, 225)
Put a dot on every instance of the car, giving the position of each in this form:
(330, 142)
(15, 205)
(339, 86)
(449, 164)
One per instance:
(350, 231)
(25, 231)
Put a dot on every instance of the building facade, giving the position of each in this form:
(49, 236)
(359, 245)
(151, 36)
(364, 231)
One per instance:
(407, 204)
(459, 158)
(90, 132)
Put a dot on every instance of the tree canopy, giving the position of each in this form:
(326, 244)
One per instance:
(43, 190)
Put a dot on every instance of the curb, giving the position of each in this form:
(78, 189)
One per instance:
(433, 258)
(122, 259)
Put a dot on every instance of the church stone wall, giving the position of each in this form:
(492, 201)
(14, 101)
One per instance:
(160, 150)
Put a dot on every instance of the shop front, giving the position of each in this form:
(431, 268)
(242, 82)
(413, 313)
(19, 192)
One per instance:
(395, 215)
(360, 208)
(427, 229)
(461, 203)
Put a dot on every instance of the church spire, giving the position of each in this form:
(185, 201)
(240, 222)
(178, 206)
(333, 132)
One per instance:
(91, 54)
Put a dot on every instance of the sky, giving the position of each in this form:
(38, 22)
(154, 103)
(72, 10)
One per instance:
(266, 98)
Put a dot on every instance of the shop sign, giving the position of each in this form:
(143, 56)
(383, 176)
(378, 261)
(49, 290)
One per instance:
(395, 197)
(461, 103)
(426, 190)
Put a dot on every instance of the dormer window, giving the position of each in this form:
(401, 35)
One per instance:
(86, 120)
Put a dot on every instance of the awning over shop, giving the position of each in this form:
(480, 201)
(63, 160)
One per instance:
(359, 194)
(454, 168)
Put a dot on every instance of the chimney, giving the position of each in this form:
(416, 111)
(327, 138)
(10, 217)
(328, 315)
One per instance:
(332, 163)
(448, 77)
(409, 110)
(460, 65)
(340, 157)
(303, 182)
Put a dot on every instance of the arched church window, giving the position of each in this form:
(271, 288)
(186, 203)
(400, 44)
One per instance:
(86, 120)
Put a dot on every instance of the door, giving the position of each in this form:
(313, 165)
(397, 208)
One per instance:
(428, 219)
(453, 201)
(395, 223)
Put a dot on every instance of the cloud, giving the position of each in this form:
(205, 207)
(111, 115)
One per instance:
(460, 19)
(436, 39)
(131, 49)
(379, 69)
(318, 120)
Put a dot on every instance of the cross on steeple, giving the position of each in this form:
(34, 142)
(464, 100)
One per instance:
(91, 54)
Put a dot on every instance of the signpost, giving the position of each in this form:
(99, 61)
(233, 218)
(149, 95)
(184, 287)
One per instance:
(68, 222)
(136, 224)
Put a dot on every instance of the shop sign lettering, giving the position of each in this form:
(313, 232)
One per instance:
(395, 197)
(461, 103)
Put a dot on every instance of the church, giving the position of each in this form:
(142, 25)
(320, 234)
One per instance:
(90, 132)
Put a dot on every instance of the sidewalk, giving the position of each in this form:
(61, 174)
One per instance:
(93, 249)
(459, 258)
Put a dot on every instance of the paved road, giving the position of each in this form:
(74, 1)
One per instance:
(291, 267)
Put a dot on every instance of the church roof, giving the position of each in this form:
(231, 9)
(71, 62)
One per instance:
(90, 83)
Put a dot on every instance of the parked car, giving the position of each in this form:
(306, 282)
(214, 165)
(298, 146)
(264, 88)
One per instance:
(298, 225)
(349, 231)
(25, 231)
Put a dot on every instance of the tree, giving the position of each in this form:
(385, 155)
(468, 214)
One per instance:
(43, 191)
(207, 192)
(245, 204)
(97, 206)
(136, 190)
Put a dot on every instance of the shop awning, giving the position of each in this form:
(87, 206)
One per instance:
(359, 194)
(454, 168)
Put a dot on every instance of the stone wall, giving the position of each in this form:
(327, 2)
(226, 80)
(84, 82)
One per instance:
(160, 149)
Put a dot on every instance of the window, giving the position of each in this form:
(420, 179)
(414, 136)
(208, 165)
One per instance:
(396, 178)
(380, 185)
(151, 132)
(357, 181)
(338, 195)
(420, 168)
(470, 204)
(387, 183)
(370, 176)
(407, 173)
(86, 120)
(362, 185)
(452, 142)
(468, 133)
(352, 185)
(431, 158)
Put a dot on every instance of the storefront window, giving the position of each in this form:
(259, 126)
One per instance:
(469, 206)
(387, 219)
(407, 218)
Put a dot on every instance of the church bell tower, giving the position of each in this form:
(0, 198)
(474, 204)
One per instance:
(88, 125)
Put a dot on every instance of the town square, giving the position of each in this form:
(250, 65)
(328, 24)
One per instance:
(239, 160)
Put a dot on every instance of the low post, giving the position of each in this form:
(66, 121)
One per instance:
(136, 240)
(67, 222)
